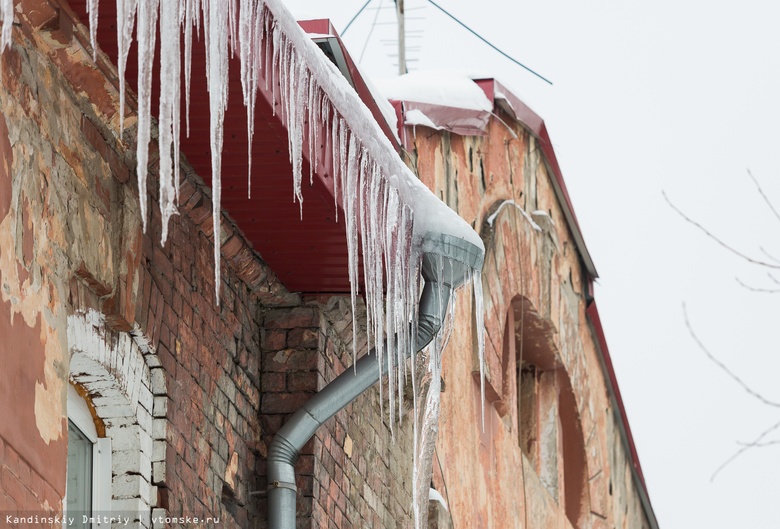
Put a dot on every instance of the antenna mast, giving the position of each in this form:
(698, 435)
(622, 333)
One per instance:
(401, 37)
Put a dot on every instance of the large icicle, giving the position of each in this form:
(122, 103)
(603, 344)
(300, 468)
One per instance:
(215, 21)
(147, 33)
(479, 312)
(191, 20)
(125, 20)
(92, 10)
(168, 141)
(250, 34)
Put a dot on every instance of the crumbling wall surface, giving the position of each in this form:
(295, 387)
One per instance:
(71, 245)
(354, 472)
(533, 278)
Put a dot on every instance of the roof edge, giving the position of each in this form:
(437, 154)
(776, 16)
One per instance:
(620, 412)
(523, 114)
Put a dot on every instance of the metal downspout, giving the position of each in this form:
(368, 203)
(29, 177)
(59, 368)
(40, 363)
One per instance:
(447, 260)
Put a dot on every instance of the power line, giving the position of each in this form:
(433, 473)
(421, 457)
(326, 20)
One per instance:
(353, 18)
(480, 37)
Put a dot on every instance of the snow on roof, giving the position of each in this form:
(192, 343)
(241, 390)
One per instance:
(446, 88)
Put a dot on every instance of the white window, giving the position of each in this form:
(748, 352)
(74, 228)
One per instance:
(88, 486)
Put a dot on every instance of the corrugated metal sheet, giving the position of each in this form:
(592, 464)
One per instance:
(309, 254)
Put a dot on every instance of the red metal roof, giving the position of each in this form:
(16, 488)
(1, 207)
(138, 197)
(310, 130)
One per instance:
(308, 254)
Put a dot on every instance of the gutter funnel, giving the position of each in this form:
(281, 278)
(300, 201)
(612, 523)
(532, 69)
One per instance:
(447, 262)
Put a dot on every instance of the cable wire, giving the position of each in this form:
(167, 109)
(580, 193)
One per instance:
(370, 32)
(353, 18)
(480, 37)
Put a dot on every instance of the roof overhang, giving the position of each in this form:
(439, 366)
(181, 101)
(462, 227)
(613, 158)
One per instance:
(306, 247)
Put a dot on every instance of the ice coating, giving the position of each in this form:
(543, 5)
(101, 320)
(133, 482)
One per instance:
(492, 218)
(427, 387)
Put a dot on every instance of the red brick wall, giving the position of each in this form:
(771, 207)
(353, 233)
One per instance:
(76, 175)
(352, 473)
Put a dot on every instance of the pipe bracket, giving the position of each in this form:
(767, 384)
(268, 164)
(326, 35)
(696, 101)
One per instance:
(282, 485)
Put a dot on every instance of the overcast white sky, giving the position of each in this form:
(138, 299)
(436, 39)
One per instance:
(674, 96)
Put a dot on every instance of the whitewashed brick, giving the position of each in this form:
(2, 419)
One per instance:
(113, 405)
(146, 399)
(126, 486)
(125, 461)
(160, 406)
(153, 361)
(145, 463)
(124, 438)
(158, 428)
(158, 451)
(158, 472)
(133, 508)
(145, 420)
(146, 443)
(158, 381)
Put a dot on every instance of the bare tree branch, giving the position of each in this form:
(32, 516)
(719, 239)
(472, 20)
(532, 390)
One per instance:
(742, 450)
(717, 240)
(773, 278)
(763, 195)
(764, 444)
(769, 255)
(757, 289)
(723, 366)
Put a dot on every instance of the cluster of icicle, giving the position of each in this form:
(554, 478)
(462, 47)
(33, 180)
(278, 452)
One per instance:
(374, 188)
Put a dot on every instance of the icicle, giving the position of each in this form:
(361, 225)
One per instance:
(249, 28)
(232, 9)
(7, 15)
(217, 79)
(268, 54)
(168, 117)
(336, 156)
(176, 101)
(426, 426)
(125, 20)
(371, 222)
(351, 220)
(298, 97)
(191, 19)
(92, 10)
(368, 261)
(390, 241)
(479, 311)
(147, 32)
(312, 125)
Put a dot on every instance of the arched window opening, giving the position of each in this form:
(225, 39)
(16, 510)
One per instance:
(549, 430)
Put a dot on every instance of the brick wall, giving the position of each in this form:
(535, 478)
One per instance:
(352, 473)
(72, 241)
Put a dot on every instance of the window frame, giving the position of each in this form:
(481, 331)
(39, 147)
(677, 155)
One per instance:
(81, 417)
